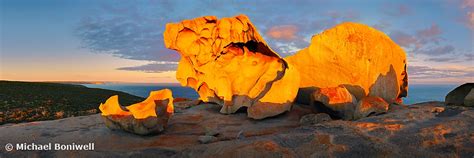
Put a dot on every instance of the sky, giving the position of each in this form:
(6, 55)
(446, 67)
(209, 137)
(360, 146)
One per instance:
(122, 41)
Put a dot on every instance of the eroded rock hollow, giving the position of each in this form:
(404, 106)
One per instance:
(227, 62)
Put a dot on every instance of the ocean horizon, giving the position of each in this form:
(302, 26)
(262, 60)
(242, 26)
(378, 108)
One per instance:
(417, 93)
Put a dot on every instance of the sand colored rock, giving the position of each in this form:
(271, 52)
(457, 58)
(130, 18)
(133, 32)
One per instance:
(370, 106)
(227, 62)
(148, 117)
(366, 61)
(337, 99)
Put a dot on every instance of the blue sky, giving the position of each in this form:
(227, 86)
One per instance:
(122, 40)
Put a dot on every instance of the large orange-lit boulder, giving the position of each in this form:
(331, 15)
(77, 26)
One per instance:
(148, 117)
(364, 60)
(227, 62)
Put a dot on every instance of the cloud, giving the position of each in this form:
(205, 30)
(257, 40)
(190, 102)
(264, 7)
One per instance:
(430, 34)
(427, 42)
(404, 39)
(283, 32)
(133, 30)
(469, 57)
(424, 41)
(442, 59)
(441, 50)
(426, 72)
(470, 20)
(467, 4)
(126, 34)
(332, 18)
(382, 25)
(297, 33)
(395, 10)
(466, 7)
(156, 67)
(289, 48)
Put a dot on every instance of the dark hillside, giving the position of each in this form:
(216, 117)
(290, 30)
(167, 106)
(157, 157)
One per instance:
(34, 101)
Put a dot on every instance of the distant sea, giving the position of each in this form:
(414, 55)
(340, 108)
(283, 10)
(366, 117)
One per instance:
(416, 93)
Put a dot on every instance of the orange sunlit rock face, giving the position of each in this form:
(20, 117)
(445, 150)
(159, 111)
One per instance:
(227, 62)
(365, 61)
(149, 116)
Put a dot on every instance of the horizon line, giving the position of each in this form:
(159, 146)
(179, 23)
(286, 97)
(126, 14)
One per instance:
(126, 82)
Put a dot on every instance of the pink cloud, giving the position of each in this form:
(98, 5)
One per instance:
(283, 32)
(430, 32)
(470, 20)
(467, 4)
(404, 39)
(404, 10)
(396, 10)
(429, 35)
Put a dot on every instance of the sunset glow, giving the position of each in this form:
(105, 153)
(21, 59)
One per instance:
(123, 42)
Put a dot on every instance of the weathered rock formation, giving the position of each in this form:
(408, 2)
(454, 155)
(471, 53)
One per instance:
(347, 60)
(365, 61)
(227, 62)
(147, 117)
(422, 130)
(461, 96)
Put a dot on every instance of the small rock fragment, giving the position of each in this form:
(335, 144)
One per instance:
(338, 99)
(211, 131)
(437, 109)
(370, 105)
(240, 135)
(207, 139)
(311, 119)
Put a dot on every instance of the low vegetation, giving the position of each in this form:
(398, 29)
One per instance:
(35, 101)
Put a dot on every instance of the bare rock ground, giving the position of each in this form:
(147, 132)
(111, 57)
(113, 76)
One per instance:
(421, 130)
